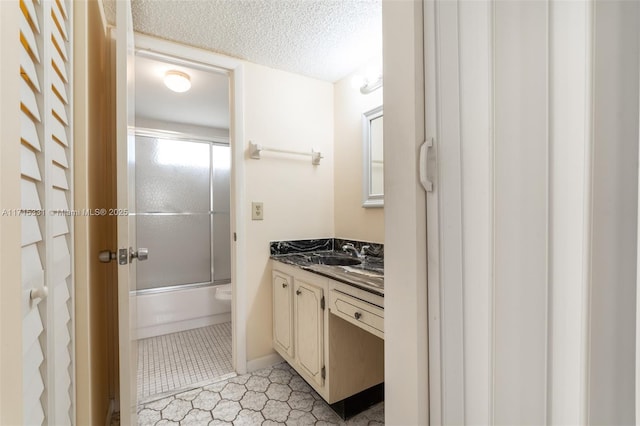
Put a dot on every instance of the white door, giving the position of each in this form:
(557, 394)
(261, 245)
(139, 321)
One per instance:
(309, 328)
(282, 311)
(47, 233)
(125, 112)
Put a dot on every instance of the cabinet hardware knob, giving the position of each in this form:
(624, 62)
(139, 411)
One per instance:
(285, 285)
(298, 292)
(357, 315)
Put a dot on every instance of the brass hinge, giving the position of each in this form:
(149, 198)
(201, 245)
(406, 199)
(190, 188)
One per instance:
(323, 372)
(322, 303)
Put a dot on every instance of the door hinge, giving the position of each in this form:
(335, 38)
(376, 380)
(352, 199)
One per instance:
(322, 303)
(235, 237)
(323, 373)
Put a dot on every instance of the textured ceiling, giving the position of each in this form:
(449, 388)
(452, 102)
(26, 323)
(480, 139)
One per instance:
(324, 39)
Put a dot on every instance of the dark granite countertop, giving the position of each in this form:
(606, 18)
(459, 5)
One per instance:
(366, 274)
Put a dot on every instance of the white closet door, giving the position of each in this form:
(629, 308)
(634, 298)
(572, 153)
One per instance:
(47, 242)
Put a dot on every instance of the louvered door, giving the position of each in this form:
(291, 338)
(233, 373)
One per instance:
(47, 325)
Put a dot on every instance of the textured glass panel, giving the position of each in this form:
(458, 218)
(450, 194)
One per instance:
(221, 156)
(172, 176)
(179, 250)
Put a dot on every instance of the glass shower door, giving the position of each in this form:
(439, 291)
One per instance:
(176, 213)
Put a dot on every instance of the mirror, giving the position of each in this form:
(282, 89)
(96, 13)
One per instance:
(373, 166)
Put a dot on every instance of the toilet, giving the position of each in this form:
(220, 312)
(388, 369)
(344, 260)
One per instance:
(223, 293)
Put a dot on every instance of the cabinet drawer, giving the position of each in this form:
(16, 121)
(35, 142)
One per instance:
(365, 315)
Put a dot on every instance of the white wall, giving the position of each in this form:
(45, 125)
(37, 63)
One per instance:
(352, 221)
(405, 301)
(286, 111)
(534, 110)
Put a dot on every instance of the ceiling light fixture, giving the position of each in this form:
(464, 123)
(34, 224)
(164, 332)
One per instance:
(177, 81)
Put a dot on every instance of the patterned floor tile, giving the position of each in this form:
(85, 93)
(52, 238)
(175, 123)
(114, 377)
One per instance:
(269, 397)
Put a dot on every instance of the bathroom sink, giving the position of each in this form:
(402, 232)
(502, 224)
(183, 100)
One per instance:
(336, 260)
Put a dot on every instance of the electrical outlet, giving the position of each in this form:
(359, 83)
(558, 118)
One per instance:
(257, 211)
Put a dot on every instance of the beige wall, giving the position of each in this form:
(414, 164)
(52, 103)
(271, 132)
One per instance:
(352, 221)
(94, 188)
(286, 111)
(10, 275)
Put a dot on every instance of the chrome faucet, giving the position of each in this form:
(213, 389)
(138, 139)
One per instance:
(349, 247)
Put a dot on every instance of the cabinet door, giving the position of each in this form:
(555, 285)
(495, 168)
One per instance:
(309, 323)
(282, 312)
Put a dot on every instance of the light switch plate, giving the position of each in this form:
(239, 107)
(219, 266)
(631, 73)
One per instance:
(257, 212)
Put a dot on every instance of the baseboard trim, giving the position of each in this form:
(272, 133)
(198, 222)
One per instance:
(263, 362)
(175, 327)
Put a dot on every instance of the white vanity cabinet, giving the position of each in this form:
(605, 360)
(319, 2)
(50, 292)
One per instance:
(334, 353)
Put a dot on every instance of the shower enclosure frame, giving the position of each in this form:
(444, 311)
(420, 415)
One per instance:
(211, 141)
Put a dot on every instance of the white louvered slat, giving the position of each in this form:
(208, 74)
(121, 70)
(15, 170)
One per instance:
(60, 249)
(59, 226)
(30, 199)
(31, 264)
(63, 8)
(59, 87)
(59, 64)
(29, 132)
(28, 100)
(58, 177)
(32, 360)
(59, 110)
(35, 415)
(30, 11)
(32, 390)
(58, 154)
(28, 38)
(59, 222)
(32, 327)
(58, 43)
(61, 269)
(59, 132)
(60, 22)
(30, 230)
(29, 163)
(32, 272)
(29, 69)
(59, 200)
(62, 295)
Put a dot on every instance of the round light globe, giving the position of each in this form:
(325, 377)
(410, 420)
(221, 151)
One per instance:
(177, 81)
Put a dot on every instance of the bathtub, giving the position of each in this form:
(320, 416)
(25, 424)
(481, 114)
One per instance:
(171, 311)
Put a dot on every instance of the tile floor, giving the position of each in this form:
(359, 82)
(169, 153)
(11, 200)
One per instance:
(180, 360)
(271, 396)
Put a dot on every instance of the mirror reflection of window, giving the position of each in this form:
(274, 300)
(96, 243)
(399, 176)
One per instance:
(373, 165)
(377, 166)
